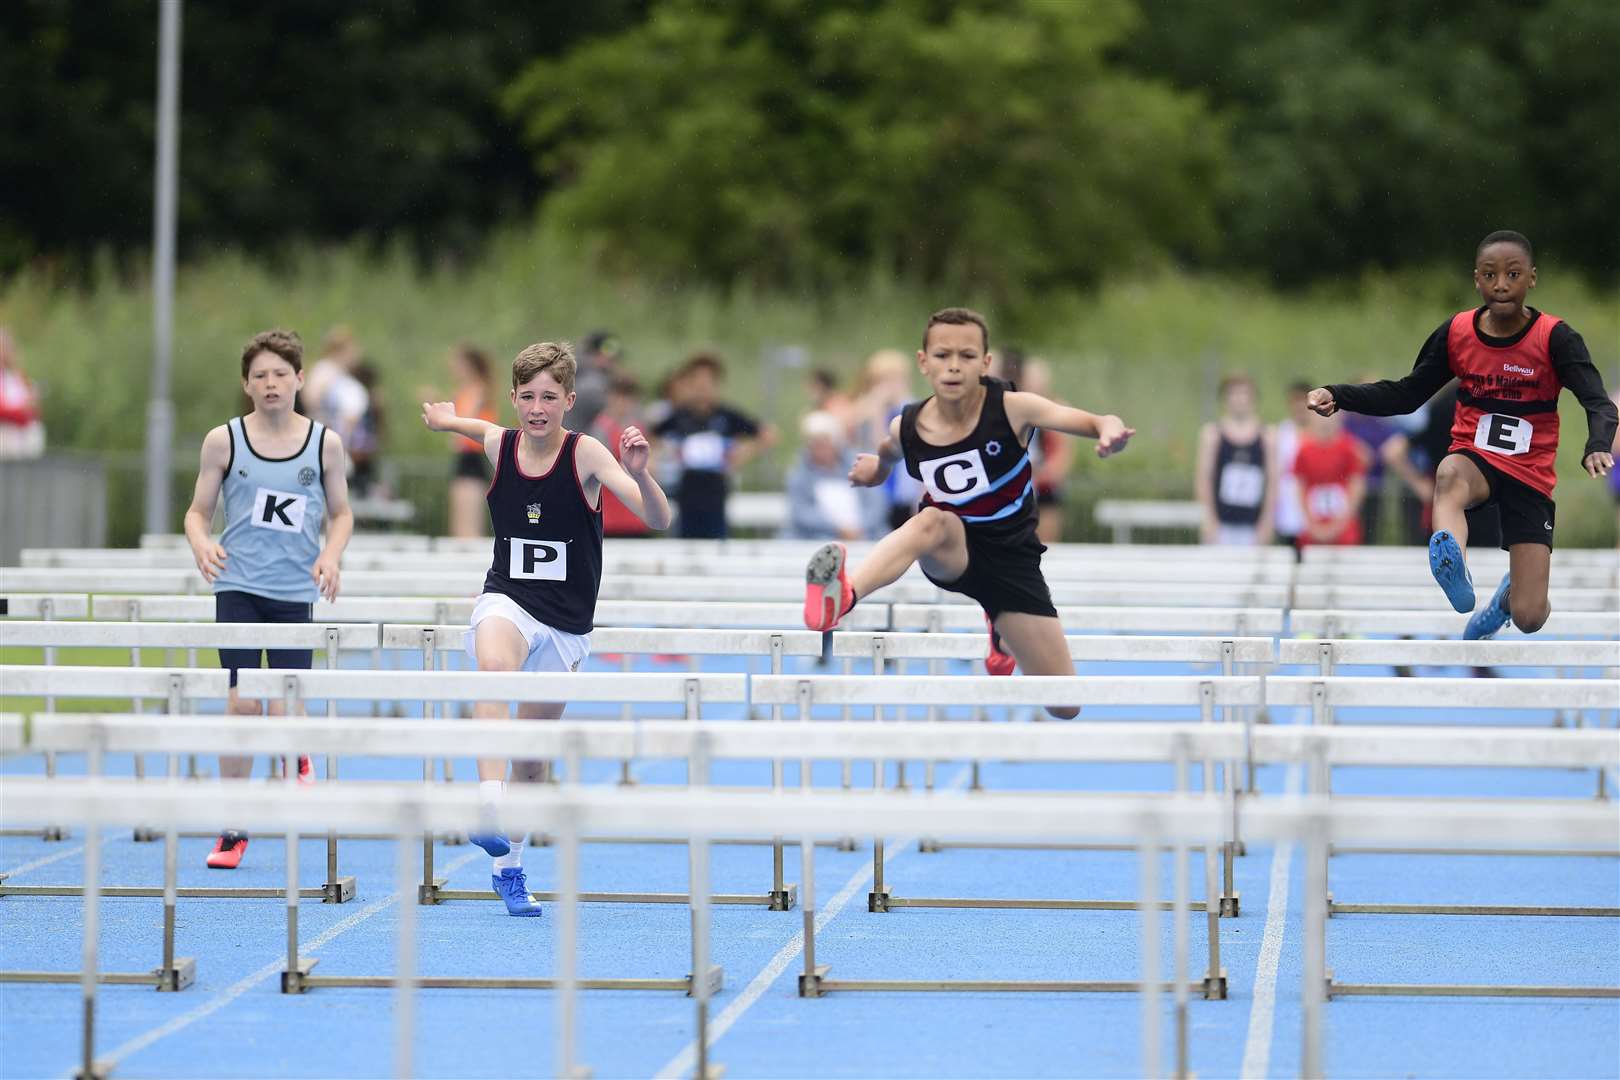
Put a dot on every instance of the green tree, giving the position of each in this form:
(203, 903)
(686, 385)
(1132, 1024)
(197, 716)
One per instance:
(994, 147)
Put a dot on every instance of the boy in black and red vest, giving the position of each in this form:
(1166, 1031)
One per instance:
(1511, 361)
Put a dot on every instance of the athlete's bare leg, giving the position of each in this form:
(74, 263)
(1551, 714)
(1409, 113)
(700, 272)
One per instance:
(933, 537)
(1458, 485)
(1038, 643)
(237, 766)
(500, 647)
(1529, 565)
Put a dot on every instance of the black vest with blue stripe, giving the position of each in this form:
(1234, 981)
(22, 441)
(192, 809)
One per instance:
(986, 479)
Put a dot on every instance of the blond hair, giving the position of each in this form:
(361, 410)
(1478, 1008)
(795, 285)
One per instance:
(553, 357)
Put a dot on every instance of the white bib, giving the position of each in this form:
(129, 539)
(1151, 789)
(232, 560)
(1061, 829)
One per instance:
(956, 478)
(1327, 500)
(1503, 434)
(704, 450)
(1242, 484)
(538, 560)
(282, 511)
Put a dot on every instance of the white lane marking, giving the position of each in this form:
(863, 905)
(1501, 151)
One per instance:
(270, 970)
(685, 1061)
(47, 860)
(1257, 1049)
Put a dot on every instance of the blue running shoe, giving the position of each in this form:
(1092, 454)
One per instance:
(492, 842)
(1493, 616)
(1446, 561)
(511, 886)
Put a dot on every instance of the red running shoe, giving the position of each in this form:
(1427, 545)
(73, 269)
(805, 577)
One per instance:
(827, 594)
(228, 850)
(997, 662)
(306, 770)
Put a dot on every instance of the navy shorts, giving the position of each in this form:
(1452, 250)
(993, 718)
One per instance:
(245, 607)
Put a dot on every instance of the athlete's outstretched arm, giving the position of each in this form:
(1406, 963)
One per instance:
(630, 478)
(441, 416)
(208, 552)
(871, 470)
(1026, 411)
(339, 515)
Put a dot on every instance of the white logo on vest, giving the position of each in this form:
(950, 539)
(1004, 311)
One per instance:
(281, 511)
(538, 560)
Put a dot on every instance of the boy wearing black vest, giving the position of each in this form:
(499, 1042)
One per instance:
(539, 601)
(974, 534)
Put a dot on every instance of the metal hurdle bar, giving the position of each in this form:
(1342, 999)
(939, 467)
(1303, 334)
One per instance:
(1325, 694)
(1343, 622)
(696, 814)
(1409, 597)
(431, 687)
(1204, 693)
(434, 641)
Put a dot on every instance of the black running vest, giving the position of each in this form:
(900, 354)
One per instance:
(548, 541)
(986, 479)
(1239, 480)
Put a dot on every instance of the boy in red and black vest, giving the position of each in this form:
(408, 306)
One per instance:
(1511, 361)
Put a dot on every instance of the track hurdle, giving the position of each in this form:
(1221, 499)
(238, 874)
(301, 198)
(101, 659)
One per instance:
(24, 606)
(433, 642)
(1414, 597)
(433, 687)
(1345, 622)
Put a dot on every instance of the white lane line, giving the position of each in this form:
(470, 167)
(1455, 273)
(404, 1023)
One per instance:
(685, 1061)
(270, 970)
(67, 853)
(1257, 1050)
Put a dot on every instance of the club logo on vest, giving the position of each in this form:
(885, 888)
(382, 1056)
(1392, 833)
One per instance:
(306, 476)
(1517, 370)
(280, 511)
(533, 511)
(538, 560)
(955, 478)
(993, 448)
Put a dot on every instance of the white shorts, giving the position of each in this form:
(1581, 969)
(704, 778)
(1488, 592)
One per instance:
(550, 649)
(1237, 535)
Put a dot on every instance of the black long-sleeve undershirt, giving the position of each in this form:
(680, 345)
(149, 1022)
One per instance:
(1432, 370)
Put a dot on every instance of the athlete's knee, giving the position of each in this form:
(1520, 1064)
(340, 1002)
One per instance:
(245, 706)
(1063, 712)
(1530, 617)
(1451, 479)
(932, 525)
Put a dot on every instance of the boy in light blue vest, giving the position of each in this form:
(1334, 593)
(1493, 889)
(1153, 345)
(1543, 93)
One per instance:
(281, 474)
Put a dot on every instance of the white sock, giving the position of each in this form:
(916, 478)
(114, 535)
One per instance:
(490, 791)
(512, 860)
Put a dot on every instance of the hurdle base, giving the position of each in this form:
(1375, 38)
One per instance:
(173, 980)
(819, 986)
(179, 977)
(431, 892)
(1231, 906)
(1338, 989)
(340, 891)
(50, 833)
(810, 985)
(101, 1069)
(1214, 987)
(1471, 909)
(733, 899)
(783, 899)
(684, 985)
(298, 979)
(886, 901)
(143, 835)
(191, 892)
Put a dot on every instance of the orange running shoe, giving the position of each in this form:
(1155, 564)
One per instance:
(228, 850)
(997, 662)
(827, 594)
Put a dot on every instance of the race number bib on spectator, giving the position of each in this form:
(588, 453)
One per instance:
(1325, 501)
(1242, 484)
(705, 450)
(282, 511)
(1502, 434)
(538, 560)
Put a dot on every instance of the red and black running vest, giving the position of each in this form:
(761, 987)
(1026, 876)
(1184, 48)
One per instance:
(548, 540)
(986, 479)
(1507, 399)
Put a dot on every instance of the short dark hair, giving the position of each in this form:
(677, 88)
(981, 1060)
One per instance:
(1507, 236)
(284, 343)
(1242, 378)
(957, 316)
(699, 361)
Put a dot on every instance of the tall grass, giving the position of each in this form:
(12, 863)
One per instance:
(1150, 349)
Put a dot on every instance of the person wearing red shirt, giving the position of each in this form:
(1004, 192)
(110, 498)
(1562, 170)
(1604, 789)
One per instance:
(1511, 362)
(1331, 466)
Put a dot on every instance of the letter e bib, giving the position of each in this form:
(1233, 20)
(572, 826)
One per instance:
(1502, 434)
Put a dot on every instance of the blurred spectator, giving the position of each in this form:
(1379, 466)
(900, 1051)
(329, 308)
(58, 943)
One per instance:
(1373, 432)
(883, 390)
(599, 354)
(474, 394)
(22, 432)
(1614, 474)
(1331, 467)
(366, 439)
(822, 505)
(620, 410)
(1288, 515)
(712, 441)
(1050, 452)
(1236, 478)
(331, 393)
(822, 388)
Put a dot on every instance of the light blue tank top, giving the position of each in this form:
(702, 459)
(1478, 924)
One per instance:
(274, 508)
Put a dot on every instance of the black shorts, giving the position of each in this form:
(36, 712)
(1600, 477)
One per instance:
(1526, 514)
(1002, 575)
(245, 607)
(1049, 497)
(473, 464)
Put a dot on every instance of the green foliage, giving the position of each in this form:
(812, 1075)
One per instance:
(989, 145)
